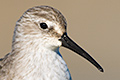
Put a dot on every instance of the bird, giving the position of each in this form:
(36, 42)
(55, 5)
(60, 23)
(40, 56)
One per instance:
(38, 35)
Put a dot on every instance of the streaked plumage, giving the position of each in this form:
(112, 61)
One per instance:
(35, 51)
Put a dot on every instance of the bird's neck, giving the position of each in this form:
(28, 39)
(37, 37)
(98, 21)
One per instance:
(38, 61)
(33, 53)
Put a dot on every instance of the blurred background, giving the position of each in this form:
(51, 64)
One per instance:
(93, 24)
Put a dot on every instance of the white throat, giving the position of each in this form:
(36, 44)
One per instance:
(42, 64)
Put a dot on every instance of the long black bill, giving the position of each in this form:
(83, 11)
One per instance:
(68, 43)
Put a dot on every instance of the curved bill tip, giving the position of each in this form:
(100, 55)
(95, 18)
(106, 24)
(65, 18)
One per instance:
(70, 44)
(101, 70)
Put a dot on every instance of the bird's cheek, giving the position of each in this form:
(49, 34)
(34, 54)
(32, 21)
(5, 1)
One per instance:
(59, 43)
(56, 43)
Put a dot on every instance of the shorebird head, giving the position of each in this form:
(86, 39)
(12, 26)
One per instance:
(43, 25)
(46, 27)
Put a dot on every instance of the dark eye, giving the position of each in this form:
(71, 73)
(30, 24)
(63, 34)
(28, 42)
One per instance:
(43, 25)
